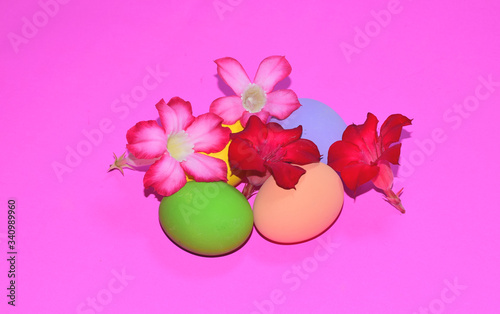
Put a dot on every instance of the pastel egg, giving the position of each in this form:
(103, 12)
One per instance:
(207, 218)
(293, 216)
(320, 124)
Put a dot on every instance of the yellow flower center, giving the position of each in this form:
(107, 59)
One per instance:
(253, 98)
(179, 146)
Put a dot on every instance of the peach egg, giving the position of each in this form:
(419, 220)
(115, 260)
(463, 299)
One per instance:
(300, 214)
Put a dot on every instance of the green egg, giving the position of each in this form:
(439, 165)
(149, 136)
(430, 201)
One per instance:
(207, 218)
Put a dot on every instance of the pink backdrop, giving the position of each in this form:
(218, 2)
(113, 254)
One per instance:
(89, 241)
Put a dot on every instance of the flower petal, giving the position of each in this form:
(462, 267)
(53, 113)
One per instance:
(205, 168)
(229, 108)
(165, 176)
(255, 132)
(364, 136)
(357, 174)
(146, 140)
(242, 155)
(301, 152)
(392, 154)
(390, 131)
(207, 134)
(272, 70)
(140, 163)
(282, 103)
(263, 115)
(285, 175)
(383, 180)
(279, 137)
(341, 154)
(176, 115)
(233, 74)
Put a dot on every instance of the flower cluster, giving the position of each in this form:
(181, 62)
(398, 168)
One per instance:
(178, 148)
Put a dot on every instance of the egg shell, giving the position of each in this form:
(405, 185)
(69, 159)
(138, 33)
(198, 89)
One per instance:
(207, 218)
(300, 214)
(320, 124)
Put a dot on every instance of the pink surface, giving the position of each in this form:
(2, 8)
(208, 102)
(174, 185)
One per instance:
(92, 237)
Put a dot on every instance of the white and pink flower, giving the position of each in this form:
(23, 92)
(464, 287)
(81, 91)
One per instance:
(257, 98)
(177, 144)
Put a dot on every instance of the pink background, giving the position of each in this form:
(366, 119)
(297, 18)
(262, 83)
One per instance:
(77, 233)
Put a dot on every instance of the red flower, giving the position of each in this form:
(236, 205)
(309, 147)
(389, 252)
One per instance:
(362, 155)
(262, 150)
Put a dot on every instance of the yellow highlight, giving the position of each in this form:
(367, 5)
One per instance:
(223, 155)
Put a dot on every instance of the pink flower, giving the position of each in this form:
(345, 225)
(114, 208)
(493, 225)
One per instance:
(178, 143)
(257, 98)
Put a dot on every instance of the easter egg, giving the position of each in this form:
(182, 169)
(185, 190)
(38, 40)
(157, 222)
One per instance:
(207, 218)
(320, 124)
(300, 214)
(223, 155)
